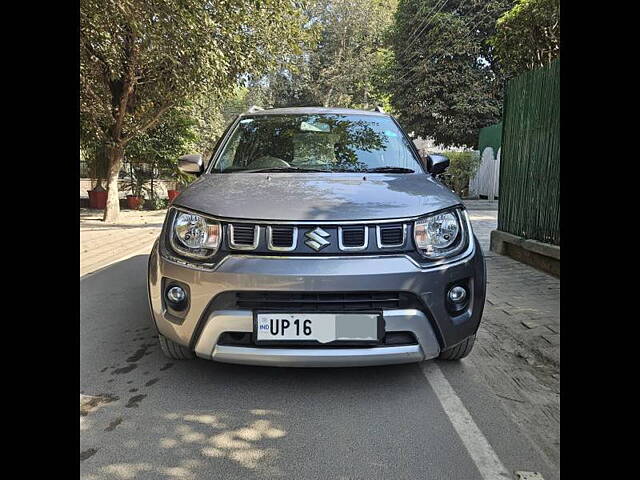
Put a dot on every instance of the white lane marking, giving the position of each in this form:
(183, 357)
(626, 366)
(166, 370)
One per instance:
(475, 442)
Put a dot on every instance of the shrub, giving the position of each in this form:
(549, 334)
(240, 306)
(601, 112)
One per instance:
(463, 167)
(156, 203)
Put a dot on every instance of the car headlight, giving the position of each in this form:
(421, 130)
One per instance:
(194, 235)
(440, 235)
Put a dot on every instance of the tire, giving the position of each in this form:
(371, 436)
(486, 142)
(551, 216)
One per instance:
(458, 351)
(174, 351)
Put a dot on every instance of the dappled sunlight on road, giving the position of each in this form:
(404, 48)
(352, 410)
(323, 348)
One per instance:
(127, 470)
(189, 443)
(237, 445)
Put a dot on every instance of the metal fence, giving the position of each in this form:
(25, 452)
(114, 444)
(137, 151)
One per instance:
(530, 162)
(84, 169)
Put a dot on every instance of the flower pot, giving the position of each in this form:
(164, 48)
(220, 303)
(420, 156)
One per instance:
(97, 199)
(133, 202)
(172, 194)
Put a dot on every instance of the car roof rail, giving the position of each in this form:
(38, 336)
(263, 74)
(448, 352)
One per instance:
(379, 109)
(255, 108)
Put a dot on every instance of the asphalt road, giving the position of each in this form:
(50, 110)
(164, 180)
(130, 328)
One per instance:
(144, 416)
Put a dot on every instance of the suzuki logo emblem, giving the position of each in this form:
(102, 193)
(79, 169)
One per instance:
(316, 239)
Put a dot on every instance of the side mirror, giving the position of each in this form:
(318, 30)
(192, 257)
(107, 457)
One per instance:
(191, 164)
(437, 164)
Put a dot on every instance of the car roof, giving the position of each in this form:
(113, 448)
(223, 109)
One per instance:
(314, 111)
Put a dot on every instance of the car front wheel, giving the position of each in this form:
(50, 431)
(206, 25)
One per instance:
(458, 351)
(174, 351)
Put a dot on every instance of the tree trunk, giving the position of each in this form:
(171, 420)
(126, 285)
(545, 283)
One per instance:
(328, 98)
(112, 209)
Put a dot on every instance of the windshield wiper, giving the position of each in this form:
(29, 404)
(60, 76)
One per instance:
(283, 169)
(390, 169)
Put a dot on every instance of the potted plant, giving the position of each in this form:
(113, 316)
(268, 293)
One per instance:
(136, 184)
(134, 201)
(97, 165)
(97, 197)
(180, 181)
(173, 193)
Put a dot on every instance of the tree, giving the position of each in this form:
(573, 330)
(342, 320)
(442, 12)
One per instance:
(346, 56)
(337, 70)
(156, 151)
(527, 36)
(212, 114)
(92, 152)
(139, 59)
(443, 79)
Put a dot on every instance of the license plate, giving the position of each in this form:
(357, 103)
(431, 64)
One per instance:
(319, 327)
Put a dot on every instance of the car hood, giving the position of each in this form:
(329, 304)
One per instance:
(316, 196)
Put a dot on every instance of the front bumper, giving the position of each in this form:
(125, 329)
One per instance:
(433, 326)
(318, 357)
(219, 322)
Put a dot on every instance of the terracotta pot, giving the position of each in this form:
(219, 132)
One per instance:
(172, 194)
(133, 202)
(97, 199)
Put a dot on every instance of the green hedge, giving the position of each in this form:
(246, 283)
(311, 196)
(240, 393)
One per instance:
(462, 168)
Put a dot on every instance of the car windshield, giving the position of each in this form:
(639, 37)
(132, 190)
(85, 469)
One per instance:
(322, 142)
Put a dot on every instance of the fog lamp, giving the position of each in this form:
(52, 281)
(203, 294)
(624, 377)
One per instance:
(457, 294)
(176, 295)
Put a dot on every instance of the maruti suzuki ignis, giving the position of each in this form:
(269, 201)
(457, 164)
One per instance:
(316, 237)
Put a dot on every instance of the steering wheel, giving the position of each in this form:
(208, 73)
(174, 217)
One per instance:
(267, 162)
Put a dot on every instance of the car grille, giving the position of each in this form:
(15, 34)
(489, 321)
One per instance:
(327, 302)
(282, 236)
(286, 238)
(391, 235)
(243, 234)
(245, 339)
(353, 236)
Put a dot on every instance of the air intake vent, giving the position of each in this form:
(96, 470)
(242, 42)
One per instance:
(391, 235)
(353, 238)
(321, 302)
(282, 238)
(243, 236)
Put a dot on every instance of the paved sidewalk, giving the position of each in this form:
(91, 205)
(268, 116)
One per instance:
(488, 205)
(101, 244)
(517, 353)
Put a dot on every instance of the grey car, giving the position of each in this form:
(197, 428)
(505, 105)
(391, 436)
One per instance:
(316, 237)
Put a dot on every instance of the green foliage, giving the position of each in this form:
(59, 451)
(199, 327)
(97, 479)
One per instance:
(212, 115)
(156, 203)
(138, 179)
(462, 168)
(140, 58)
(528, 35)
(93, 153)
(443, 81)
(339, 69)
(96, 162)
(160, 147)
(380, 79)
(171, 137)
